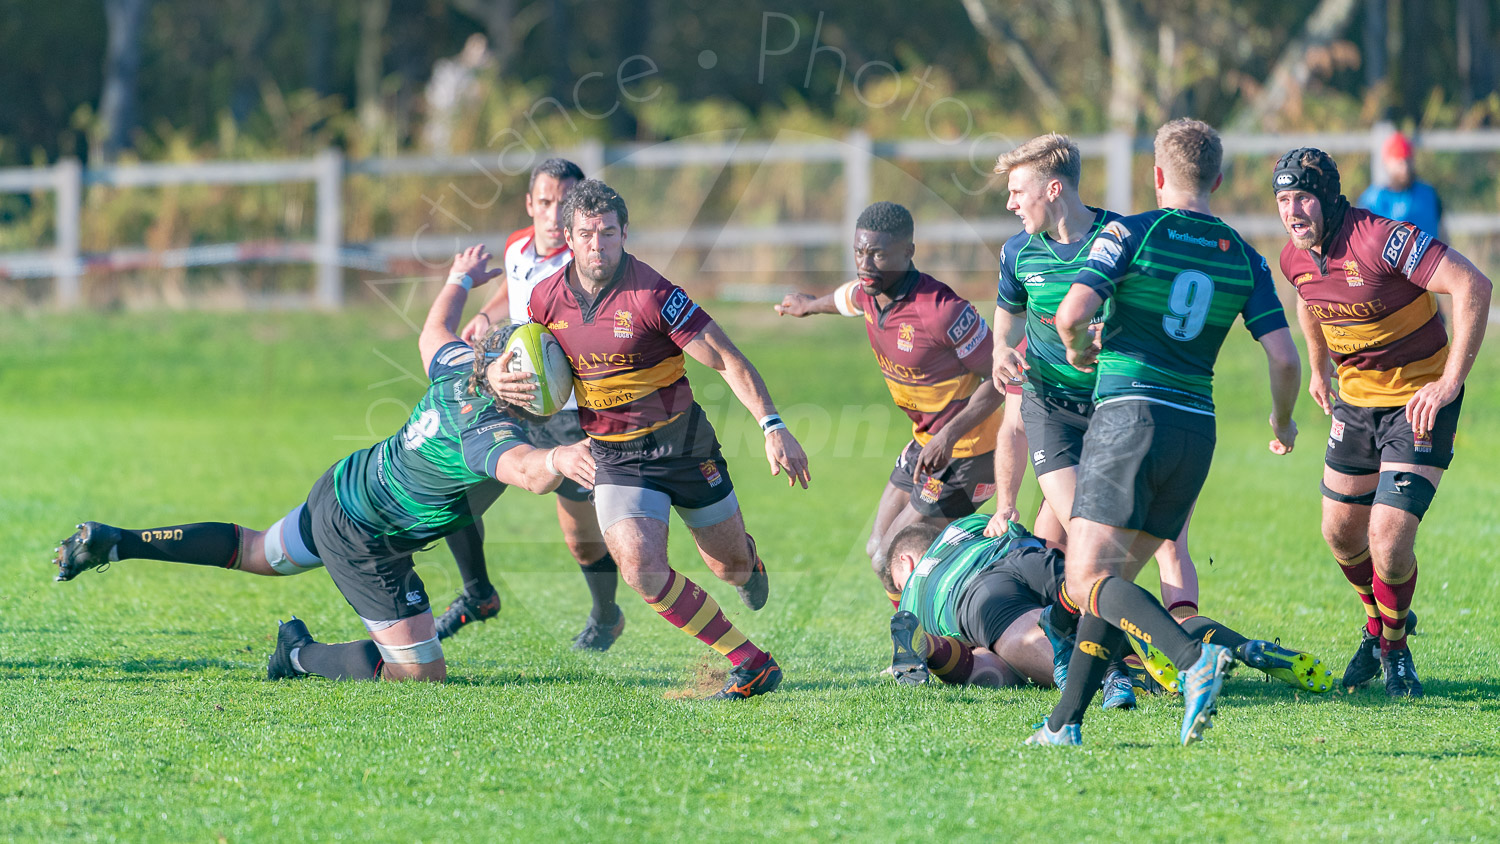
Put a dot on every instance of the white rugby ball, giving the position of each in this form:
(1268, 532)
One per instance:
(538, 353)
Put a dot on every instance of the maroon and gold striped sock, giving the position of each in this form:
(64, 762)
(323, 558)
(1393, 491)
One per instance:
(1360, 573)
(686, 605)
(949, 659)
(895, 599)
(1393, 599)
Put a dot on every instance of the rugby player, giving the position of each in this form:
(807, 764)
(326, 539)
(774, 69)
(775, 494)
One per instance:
(625, 329)
(1363, 285)
(970, 604)
(934, 350)
(1037, 268)
(531, 255)
(1176, 279)
(367, 514)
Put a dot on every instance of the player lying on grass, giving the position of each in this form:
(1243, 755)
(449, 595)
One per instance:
(934, 350)
(367, 514)
(970, 604)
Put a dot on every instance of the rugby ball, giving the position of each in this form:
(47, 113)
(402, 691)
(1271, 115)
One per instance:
(538, 353)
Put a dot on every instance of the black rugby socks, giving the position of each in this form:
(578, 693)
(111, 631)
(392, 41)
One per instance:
(602, 577)
(1129, 607)
(1098, 643)
(214, 544)
(344, 661)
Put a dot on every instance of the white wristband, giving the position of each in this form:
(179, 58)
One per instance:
(551, 463)
(771, 422)
(464, 281)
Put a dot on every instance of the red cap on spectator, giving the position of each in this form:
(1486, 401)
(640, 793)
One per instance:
(1396, 146)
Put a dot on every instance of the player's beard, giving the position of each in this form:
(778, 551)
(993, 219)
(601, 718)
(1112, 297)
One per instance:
(601, 272)
(1309, 238)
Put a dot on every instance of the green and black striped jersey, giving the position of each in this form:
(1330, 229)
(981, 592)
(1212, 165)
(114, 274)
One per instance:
(1175, 281)
(1036, 272)
(959, 554)
(412, 487)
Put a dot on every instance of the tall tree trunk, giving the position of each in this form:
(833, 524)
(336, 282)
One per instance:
(1291, 71)
(122, 65)
(1003, 42)
(1126, 67)
(370, 66)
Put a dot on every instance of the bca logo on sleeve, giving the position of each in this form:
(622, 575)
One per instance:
(676, 304)
(961, 326)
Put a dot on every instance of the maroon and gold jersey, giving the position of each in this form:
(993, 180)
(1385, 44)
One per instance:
(1369, 294)
(625, 348)
(924, 342)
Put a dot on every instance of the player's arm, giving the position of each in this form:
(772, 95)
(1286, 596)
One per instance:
(442, 318)
(1470, 289)
(840, 301)
(1285, 370)
(496, 446)
(1010, 469)
(1108, 262)
(541, 470)
(1074, 314)
(494, 310)
(1010, 323)
(1265, 319)
(1319, 361)
(982, 405)
(1010, 364)
(713, 348)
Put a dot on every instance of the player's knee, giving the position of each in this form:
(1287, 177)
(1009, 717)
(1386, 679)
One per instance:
(1408, 492)
(284, 550)
(586, 551)
(415, 661)
(1392, 538)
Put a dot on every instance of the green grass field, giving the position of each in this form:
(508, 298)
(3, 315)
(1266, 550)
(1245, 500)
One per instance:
(133, 704)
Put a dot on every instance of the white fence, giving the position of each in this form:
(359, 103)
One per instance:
(856, 154)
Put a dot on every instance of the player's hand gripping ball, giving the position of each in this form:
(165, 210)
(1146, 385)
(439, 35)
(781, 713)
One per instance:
(537, 353)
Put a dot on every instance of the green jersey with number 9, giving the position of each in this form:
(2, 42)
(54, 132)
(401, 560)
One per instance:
(1177, 280)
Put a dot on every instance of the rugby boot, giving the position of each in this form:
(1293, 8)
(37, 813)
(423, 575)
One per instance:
(747, 682)
(1118, 692)
(1062, 648)
(1365, 666)
(757, 589)
(465, 609)
(1070, 734)
(599, 637)
(88, 548)
(1201, 685)
(1400, 673)
(1295, 668)
(908, 664)
(289, 635)
(1155, 663)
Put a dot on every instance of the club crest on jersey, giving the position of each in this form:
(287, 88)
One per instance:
(1423, 445)
(1223, 244)
(932, 490)
(468, 408)
(623, 328)
(710, 472)
(905, 335)
(961, 326)
(1351, 273)
(558, 325)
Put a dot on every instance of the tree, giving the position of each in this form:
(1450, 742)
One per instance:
(122, 66)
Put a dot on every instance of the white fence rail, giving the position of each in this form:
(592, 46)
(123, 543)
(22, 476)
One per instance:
(856, 154)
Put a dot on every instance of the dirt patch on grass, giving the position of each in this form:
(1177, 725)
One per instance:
(706, 677)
